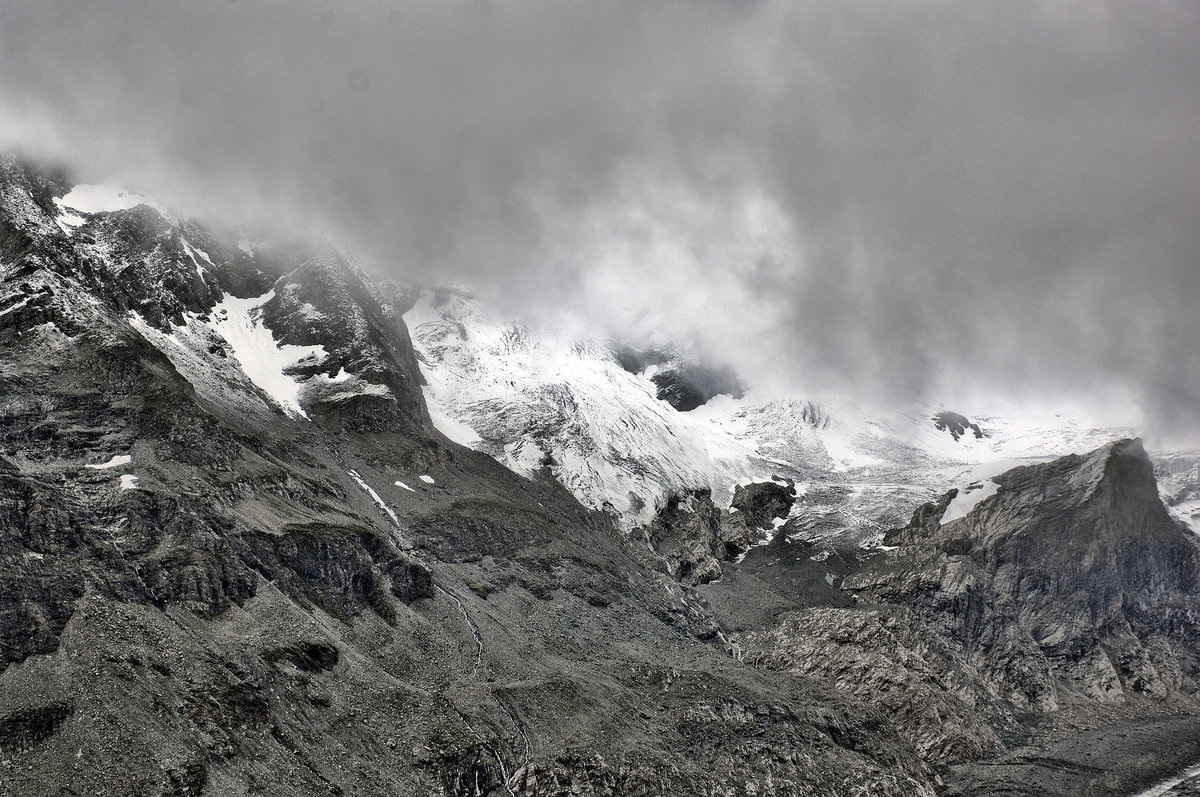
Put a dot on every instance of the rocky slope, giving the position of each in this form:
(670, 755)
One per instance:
(1059, 614)
(1073, 569)
(240, 557)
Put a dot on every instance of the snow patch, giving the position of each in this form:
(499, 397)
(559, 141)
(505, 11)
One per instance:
(128, 481)
(427, 479)
(197, 254)
(405, 486)
(968, 498)
(68, 222)
(845, 455)
(374, 495)
(1164, 786)
(116, 461)
(263, 360)
(103, 198)
(456, 430)
(1188, 512)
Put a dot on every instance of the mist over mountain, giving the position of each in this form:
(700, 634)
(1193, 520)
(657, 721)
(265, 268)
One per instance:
(974, 202)
(618, 399)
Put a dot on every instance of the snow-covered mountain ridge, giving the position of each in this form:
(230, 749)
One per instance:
(573, 406)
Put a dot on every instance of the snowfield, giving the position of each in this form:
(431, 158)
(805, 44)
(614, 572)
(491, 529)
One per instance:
(103, 198)
(259, 364)
(968, 498)
(239, 321)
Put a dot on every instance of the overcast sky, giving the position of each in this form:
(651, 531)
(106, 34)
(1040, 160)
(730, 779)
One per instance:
(985, 202)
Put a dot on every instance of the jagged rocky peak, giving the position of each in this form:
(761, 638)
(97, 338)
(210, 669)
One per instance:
(683, 383)
(327, 303)
(692, 536)
(1071, 583)
(293, 325)
(957, 425)
(763, 503)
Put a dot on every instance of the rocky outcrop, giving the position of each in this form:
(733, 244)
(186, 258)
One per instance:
(683, 384)
(324, 302)
(1071, 583)
(691, 536)
(343, 570)
(923, 683)
(687, 387)
(762, 503)
(957, 425)
(686, 536)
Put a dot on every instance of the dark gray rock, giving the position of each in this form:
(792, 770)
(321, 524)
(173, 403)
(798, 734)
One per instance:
(691, 536)
(957, 425)
(1071, 583)
(686, 535)
(323, 302)
(762, 502)
(683, 384)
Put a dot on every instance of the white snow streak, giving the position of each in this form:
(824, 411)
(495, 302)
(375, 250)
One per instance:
(103, 198)
(405, 486)
(1163, 786)
(17, 306)
(363, 484)
(968, 498)
(427, 479)
(116, 461)
(263, 360)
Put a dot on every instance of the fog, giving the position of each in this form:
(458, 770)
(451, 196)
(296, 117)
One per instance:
(986, 204)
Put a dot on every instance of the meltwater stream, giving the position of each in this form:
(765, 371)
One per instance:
(1164, 787)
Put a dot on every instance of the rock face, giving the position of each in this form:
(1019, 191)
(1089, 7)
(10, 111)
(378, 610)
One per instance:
(888, 657)
(1071, 583)
(682, 384)
(957, 425)
(691, 536)
(324, 303)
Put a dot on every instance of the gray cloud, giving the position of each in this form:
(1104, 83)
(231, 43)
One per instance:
(988, 202)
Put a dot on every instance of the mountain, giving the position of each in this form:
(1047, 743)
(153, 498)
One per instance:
(249, 547)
